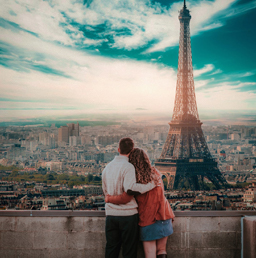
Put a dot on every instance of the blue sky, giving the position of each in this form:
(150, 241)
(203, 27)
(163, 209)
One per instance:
(75, 57)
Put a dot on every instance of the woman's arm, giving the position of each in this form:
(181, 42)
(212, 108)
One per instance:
(118, 199)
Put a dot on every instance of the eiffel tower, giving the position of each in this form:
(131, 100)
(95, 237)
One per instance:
(185, 159)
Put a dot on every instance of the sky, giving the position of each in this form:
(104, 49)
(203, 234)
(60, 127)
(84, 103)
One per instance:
(76, 58)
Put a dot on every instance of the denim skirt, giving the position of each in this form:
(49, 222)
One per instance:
(160, 229)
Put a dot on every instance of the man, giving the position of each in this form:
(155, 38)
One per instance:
(122, 220)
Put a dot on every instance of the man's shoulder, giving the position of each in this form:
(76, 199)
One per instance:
(109, 165)
(125, 163)
(130, 165)
(121, 163)
(112, 162)
(128, 169)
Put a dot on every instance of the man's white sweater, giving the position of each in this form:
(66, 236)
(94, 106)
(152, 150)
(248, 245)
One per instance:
(117, 177)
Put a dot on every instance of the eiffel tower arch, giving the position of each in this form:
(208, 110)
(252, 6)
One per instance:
(185, 160)
(170, 177)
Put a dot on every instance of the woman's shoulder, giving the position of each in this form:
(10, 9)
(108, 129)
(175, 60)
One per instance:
(155, 171)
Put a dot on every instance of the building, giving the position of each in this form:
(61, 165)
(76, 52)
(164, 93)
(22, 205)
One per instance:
(63, 134)
(54, 165)
(73, 129)
(250, 195)
(54, 204)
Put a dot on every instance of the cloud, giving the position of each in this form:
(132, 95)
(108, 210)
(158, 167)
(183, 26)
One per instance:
(226, 96)
(141, 109)
(38, 17)
(207, 68)
(94, 42)
(129, 24)
(247, 74)
(202, 83)
(216, 72)
(210, 27)
(92, 83)
(238, 10)
(129, 42)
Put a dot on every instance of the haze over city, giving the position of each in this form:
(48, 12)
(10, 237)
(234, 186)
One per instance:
(88, 59)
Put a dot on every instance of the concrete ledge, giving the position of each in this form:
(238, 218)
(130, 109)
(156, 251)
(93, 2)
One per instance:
(64, 213)
(82, 234)
(249, 237)
(93, 213)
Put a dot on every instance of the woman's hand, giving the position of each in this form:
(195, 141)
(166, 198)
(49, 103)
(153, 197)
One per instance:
(107, 198)
(118, 199)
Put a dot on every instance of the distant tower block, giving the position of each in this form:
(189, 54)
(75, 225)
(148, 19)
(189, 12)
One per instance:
(63, 134)
(186, 160)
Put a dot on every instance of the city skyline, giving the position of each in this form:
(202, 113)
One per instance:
(120, 57)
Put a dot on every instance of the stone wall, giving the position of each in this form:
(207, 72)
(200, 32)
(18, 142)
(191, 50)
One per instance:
(81, 234)
(249, 237)
(52, 237)
(205, 237)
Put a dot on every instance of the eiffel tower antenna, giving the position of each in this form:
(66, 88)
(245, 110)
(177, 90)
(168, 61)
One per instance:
(185, 159)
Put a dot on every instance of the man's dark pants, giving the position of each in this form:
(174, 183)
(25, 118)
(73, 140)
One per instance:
(122, 231)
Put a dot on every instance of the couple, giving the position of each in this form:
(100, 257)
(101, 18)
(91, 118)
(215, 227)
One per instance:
(131, 174)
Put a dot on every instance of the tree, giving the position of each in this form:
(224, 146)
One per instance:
(82, 178)
(14, 173)
(71, 184)
(90, 178)
(50, 177)
(63, 177)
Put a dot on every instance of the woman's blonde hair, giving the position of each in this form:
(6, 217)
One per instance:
(145, 173)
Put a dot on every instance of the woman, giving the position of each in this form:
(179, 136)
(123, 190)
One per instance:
(155, 213)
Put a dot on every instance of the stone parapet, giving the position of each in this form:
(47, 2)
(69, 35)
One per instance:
(82, 234)
(249, 237)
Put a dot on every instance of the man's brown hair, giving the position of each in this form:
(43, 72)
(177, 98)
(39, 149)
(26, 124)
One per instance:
(126, 145)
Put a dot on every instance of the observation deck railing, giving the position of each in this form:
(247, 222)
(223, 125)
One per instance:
(77, 234)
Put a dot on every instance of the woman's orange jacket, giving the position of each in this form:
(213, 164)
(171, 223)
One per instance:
(153, 206)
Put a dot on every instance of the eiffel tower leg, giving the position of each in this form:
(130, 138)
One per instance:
(171, 182)
(182, 184)
(196, 183)
(213, 180)
(193, 182)
(202, 181)
(221, 180)
(176, 181)
(190, 180)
